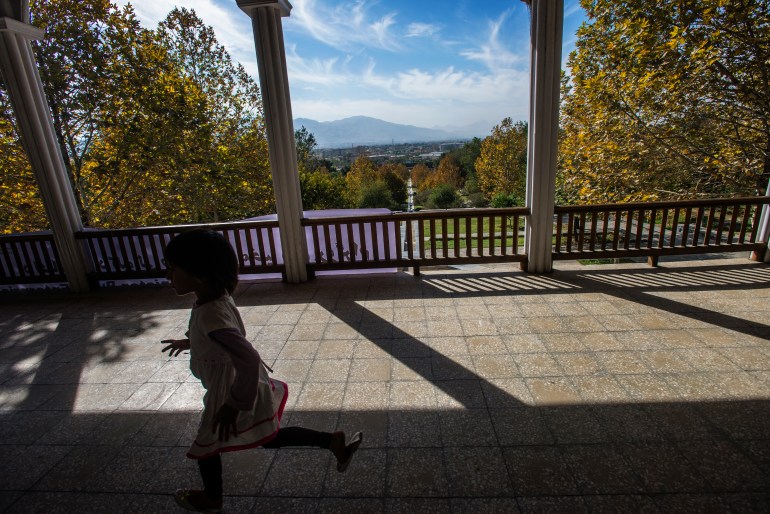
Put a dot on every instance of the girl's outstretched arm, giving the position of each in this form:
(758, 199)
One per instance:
(176, 346)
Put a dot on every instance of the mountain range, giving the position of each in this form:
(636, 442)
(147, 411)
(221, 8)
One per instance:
(363, 130)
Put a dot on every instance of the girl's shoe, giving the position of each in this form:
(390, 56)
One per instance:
(197, 501)
(350, 449)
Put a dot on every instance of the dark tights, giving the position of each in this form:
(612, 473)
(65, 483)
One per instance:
(211, 467)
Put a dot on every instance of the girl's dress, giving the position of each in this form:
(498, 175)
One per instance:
(231, 373)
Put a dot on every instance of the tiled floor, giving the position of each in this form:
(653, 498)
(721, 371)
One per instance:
(591, 389)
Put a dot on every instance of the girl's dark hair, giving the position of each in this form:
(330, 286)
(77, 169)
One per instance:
(207, 255)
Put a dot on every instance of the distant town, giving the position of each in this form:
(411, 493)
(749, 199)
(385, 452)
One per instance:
(408, 154)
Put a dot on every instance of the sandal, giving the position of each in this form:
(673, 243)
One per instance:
(350, 449)
(197, 501)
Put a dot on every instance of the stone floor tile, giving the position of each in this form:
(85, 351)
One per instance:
(485, 505)
(553, 391)
(321, 396)
(350, 505)
(370, 370)
(614, 503)
(707, 503)
(476, 471)
(297, 472)
(279, 504)
(713, 457)
(574, 424)
(416, 472)
(537, 365)
(495, 366)
(453, 367)
(336, 349)
(539, 471)
(466, 427)
(600, 389)
(621, 362)
(412, 505)
(364, 478)
(522, 426)
(601, 470)
(329, 370)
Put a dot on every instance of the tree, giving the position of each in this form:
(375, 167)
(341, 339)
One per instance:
(420, 174)
(361, 175)
(21, 209)
(375, 195)
(394, 176)
(155, 127)
(306, 144)
(443, 196)
(466, 156)
(447, 172)
(502, 164)
(668, 99)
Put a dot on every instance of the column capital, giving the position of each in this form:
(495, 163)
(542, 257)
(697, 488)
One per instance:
(23, 29)
(249, 6)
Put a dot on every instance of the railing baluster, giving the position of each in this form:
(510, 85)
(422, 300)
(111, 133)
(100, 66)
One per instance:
(340, 247)
(616, 229)
(468, 236)
(503, 234)
(352, 247)
(557, 243)
(745, 222)
(261, 245)
(456, 237)
(629, 226)
(686, 226)
(592, 235)
(653, 224)
(480, 235)
(409, 240)
(720, 226)
(674, 227)
(432, 225)
(698, 225)
(707, 239)
(733, 219)
(386, 240)
(271, 242)
(755, 223)
(362, 242)
(444, 238)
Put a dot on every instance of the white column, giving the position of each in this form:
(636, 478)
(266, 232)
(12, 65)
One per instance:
(25, 89)
(764, 230)
(273, 78)
(546, 45)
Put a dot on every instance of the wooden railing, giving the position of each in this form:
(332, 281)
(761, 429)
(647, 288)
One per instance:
(138, 253)
(29, 259)
(426, 238)
(655, 229)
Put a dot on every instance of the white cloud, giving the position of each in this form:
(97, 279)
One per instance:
(493, 54)
(344, 26)
(421, 30)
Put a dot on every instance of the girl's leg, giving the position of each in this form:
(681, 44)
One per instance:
(211, 473)
(301, 436)
(332, 441)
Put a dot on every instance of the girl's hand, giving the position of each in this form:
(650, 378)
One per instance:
(176, 346)
(225, 421)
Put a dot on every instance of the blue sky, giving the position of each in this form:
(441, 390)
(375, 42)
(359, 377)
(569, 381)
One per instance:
(427, 63)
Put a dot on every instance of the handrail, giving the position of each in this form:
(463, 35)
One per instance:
(414, 239)
(655, 229)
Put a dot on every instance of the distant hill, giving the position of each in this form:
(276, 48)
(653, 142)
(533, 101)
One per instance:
(362, 130)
